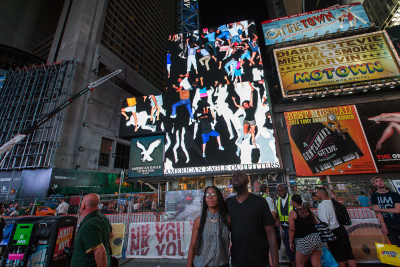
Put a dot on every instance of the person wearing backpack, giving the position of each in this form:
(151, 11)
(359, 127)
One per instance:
(386, 204)
(340, 248)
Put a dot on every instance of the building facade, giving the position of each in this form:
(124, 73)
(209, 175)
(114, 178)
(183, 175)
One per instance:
(383, 13)
(100, 37)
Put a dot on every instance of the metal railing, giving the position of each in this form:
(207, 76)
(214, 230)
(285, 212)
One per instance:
(124, 206)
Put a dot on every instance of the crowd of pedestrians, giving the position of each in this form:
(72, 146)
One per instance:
(255, 225)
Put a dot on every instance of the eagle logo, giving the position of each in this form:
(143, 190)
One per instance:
(147, 152)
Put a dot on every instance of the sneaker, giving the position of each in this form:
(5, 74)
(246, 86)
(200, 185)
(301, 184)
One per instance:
(173, 116)
(221, 148)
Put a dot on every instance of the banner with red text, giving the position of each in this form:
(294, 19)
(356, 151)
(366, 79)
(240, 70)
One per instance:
(329, 141)
(159, 240)
(64, 239)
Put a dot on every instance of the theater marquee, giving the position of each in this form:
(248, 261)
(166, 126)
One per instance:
(341, 62)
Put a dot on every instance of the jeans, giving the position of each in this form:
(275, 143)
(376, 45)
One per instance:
(181, 102)
(213, 46)
(394, 233)
(290, 253)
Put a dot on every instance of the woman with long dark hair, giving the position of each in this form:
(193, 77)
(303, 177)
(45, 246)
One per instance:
(304, 236)
(210, 237)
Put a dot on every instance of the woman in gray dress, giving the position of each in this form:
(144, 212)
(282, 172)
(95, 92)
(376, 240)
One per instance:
(210, 237)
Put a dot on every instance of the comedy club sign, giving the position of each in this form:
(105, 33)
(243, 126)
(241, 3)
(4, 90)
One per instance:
(340, 62)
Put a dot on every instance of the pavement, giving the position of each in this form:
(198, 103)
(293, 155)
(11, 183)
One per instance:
(182, 263)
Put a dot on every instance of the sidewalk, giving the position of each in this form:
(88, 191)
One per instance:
(182, 263)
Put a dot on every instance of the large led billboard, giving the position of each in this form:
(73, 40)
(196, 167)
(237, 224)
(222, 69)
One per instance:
(337, 64)
(216, 113)
(306, 25)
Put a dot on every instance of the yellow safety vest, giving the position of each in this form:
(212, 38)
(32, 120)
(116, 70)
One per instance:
(283, 218)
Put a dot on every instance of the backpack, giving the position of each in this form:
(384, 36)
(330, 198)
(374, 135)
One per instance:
(342, 215)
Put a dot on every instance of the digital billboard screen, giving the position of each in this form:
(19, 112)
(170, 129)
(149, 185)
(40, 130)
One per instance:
(306, 25)
(333, 64)
(216, 114)
(147, 156)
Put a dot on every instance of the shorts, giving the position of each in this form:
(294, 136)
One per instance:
(254, 49)
(306, 245)
(226, 34)
(236, 38)
(131, 109)
(341, 248)
(252, 123)
(246, 55)
(159, 100)
(169, 67)
(206, 137)
(238, 72)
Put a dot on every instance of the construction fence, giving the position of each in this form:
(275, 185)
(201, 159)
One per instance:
(144, 231)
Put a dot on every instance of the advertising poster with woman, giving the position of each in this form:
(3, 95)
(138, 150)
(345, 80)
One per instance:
(381, 122)
(329, 141)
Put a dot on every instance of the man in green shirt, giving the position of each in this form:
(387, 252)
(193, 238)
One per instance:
(92, 247)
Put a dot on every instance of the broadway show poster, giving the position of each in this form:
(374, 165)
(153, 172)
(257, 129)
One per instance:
(328, 141)
(394, 35)
(147, 156)
(215, 113)
(316, 22)
(64, 239)
(381, 122)
(335, 63)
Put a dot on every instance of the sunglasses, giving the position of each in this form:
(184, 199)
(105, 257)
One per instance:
(212, 194)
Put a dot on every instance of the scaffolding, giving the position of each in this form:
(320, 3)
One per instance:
(187, 16)
(29, 94)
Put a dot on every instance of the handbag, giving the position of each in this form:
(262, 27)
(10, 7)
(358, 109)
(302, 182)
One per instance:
(323, 230)
(327, 259)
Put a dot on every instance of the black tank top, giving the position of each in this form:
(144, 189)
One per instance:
(304, 226)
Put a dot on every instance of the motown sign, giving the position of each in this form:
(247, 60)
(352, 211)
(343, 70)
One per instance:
(341, 62)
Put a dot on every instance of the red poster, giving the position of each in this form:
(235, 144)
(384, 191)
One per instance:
(64, 238)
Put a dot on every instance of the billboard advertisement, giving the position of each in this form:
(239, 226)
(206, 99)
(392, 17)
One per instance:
(331, 64)
(329, 141)
(183, 205)
(394, 35)
(306, 25)
(216, 113)
(147, 156)
(64, 239)
(381, 123)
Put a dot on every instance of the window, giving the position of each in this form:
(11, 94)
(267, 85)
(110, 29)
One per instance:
(122, 156)
(105, 150)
